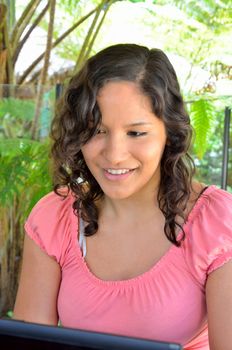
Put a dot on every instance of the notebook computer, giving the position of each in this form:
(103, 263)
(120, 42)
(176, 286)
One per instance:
(19, 335)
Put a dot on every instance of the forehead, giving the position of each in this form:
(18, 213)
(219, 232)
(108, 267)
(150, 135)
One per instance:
(126, 85)
(124, 94)
(122, 103)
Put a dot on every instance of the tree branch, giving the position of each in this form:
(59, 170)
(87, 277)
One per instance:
(62, 37)
(87, 38)
(23, 21)
(106, 9)
(30, 30)
(44, 72)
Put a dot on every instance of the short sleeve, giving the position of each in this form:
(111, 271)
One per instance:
(51, 225)
(208, 243)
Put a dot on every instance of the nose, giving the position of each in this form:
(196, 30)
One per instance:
(115, 150)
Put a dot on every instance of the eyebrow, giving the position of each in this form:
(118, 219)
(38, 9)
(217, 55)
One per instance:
(138, 124)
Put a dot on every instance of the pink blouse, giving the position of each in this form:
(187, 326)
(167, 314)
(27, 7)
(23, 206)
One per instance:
(167, 302)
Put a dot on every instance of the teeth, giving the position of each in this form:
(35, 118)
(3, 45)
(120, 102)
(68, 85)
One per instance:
(118, 171)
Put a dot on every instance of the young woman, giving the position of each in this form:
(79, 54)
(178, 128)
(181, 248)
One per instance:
(127, 242)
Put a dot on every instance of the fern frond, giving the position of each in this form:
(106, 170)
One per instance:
(203, 118)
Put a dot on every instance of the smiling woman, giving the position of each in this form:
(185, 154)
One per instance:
(136, 247)
(124, 156)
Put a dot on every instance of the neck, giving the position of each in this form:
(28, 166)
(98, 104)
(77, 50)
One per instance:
(132, 206)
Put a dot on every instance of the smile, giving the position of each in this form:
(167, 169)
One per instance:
(118, 171)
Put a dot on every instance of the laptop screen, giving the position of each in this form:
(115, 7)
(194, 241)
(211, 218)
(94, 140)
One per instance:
(18, 335)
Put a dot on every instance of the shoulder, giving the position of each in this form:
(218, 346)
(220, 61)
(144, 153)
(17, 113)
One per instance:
(52, 222)
(208, 243)
(52, 207)
(53, 204)
(220, 198)
(213, 204)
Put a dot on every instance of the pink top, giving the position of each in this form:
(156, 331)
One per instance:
(165, 303)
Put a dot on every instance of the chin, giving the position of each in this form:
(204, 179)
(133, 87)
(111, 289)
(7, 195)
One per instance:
(117, 195)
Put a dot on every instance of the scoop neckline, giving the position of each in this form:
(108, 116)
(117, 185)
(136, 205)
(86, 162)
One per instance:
(159, 263)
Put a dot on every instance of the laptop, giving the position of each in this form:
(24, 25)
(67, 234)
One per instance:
(19, 335)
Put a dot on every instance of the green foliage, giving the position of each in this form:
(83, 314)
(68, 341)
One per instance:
(15, 117)
(24, 179)
(24, 169)
(24, 162)
(209, 164)
(209, 12)
(24, 172)
(202, 116)
(17, 108)
(9, 314)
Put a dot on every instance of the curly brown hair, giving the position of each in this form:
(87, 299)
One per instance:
(78, 117)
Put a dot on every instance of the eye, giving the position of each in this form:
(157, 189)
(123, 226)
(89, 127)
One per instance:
(136, 133)
(100, 131)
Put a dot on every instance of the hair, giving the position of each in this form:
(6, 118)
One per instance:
(78, 117)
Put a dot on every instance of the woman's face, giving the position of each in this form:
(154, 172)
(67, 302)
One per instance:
(124, 156)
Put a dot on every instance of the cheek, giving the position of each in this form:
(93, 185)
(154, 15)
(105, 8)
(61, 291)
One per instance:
(90, 150)
(151, 151)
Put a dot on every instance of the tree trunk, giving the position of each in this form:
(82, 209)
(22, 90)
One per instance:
(11, 241)
(44, 72)
(3, 48)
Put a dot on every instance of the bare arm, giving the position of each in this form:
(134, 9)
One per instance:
(219, 305)
(36, 299)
